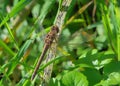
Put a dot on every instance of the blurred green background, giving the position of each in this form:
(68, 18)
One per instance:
(88, 51)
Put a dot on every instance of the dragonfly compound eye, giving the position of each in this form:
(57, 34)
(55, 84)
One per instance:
(55, 28)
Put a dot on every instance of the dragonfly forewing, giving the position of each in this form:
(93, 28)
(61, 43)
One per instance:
(48, 41)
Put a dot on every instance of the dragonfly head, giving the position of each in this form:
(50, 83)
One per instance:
(55, 28)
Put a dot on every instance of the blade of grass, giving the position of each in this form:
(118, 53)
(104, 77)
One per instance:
(15, 61)
(7, 49)
(50, 62)
(118, 40)
(23, 14)
(10, 32)
(115, 25)
(81, 10)
(45, 9)
(107, 26)
(18, 7)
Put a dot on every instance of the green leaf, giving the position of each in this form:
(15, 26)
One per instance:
(95, 60)
(93, 76)
(74, 78)
(112, 71)
(112, 67)
(112, 80)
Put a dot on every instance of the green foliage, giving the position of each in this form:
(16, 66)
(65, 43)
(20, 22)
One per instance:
(88, 51)
(74, 78)
(17, 8)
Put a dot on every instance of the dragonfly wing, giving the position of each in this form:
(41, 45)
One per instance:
(50, 56)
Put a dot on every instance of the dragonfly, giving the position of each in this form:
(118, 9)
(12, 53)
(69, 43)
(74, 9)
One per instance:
(48, 41)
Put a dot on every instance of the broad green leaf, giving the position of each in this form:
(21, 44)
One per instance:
(74, 78)
(93, 76)
(112, 80)
(112, 72)
(95, 60)
(112, 67)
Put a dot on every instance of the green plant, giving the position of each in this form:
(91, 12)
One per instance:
(88, 47)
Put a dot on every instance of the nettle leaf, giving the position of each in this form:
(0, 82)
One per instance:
(95, 60)
(112, 80)
(74, 78)
(93, 76)
(112, 67)
(112, 72)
